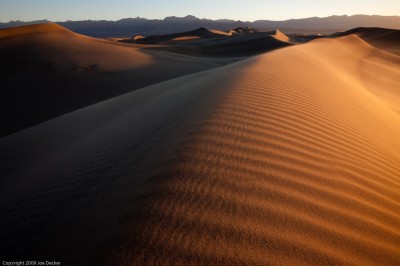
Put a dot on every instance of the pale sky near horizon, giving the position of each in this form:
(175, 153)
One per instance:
(247, 10)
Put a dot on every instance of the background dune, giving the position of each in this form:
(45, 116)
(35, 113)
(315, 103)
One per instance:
(242, 41)
(47, 71)
(290, 157)
(200, 33)
(63, 47)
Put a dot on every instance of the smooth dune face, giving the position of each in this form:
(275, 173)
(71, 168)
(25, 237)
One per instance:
(381, 38)
(62, 45)
(33, 29)
(281, 36)
(388, 41)
(220, 32)
(186, 38)
(288, 158)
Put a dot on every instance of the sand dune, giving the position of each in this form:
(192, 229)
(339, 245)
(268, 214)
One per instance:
(200, 33)
(281, 36)
(287, 158)
(66, 47)
(186, 38)
(384, 39)
(203, 42)
(47, 71)
(297, 164)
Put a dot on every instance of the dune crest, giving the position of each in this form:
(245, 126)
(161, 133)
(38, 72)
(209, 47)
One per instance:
(33, 29)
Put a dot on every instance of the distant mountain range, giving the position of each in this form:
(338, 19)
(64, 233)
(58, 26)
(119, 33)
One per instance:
(141, 26)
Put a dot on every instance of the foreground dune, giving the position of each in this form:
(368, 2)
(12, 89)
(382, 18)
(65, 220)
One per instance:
(288, 158)
(47, 71)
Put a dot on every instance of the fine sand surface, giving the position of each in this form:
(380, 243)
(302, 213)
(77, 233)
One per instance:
(287, 158)
(47, 70)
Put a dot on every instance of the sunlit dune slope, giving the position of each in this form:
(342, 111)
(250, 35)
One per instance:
(53, 42)
(281, 36)
(288, 158)
(47, 70)
(297, 164)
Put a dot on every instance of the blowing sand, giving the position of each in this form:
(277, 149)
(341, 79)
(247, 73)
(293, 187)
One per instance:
(287, 158)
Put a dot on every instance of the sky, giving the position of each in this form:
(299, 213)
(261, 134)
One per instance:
(246, 10)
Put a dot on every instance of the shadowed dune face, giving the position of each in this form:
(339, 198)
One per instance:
(388, 40)
(384, 39)
(48, 71)
(291, 157)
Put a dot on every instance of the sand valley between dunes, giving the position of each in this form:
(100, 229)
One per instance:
(290, 157)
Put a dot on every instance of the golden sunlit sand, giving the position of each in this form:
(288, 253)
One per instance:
(290, 157)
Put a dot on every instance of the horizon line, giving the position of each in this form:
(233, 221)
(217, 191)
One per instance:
(173, 16)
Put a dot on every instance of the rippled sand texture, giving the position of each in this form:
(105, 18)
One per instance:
(298, 163)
